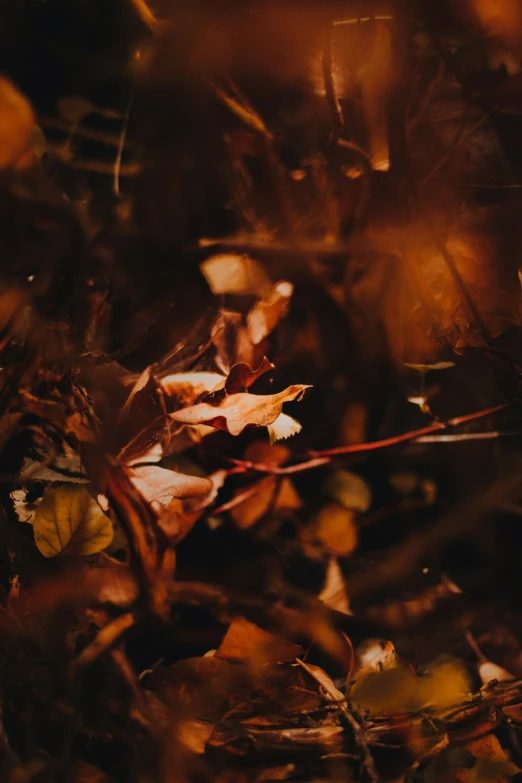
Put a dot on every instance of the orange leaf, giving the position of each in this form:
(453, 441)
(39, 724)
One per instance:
(245, 641)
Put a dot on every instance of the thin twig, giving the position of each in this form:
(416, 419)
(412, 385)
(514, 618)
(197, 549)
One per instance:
(106, 639)
(466, 436)
(121, 145)
(323, 457)
(359, 734)
(145, 14)
(328, 79)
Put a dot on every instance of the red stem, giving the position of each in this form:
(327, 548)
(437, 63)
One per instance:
(324, 457)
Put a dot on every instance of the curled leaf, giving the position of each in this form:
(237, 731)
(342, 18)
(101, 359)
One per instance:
(161, 485)
(237, 411)
(266, 314)
(186, 386)
(68, 520)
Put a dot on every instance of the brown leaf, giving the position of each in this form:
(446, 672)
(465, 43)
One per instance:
(237, 411)
(334, 528)
(142, 418)
(266, 314)
(262, 452)
(334, 593)
(245, 641)
(269, 493)
(187, 386)
(241, 376)
(493, 764)
(178, 520)
(161, 485)
(232, 341)
(202, 688)
(229, 273)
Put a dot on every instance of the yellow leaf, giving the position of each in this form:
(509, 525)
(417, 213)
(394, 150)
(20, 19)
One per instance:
(447, 683)
(335, 529)
(69, 520)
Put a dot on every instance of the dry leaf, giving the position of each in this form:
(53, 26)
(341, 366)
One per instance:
(228, 273)
(245, 641)
(161, 485)
(69, 520)
(178, 520)
(270, 493)
(492, 764)
(349, 490)
(283, 427)
(334, 527)
(232, 342)
(266, 314)
(489, 671)
(237, 411)
(447, 683)
(268, 454)
(187, 386)
(334, 593)
(194, 734)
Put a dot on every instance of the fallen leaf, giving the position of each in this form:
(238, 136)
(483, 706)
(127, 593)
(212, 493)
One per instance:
(245, 641)
(334, 593)
(232, 342)
(334, 528)
(266, 314)
(187, 386)
(82, 772)
(237, 411)
(489, 671)
(268, 454)
(194, 734)
(349, 490)
(178, 520)
(68, 520)
(446, 683)
(271, 493)
(161, 485)
(229, 273)
(492, 764)
(242, 376)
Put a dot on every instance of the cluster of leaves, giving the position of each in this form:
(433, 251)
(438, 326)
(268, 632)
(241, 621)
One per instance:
(183, 596)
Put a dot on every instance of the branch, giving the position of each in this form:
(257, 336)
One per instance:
(421, 435)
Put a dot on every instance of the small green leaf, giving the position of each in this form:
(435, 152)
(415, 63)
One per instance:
(68, 520)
